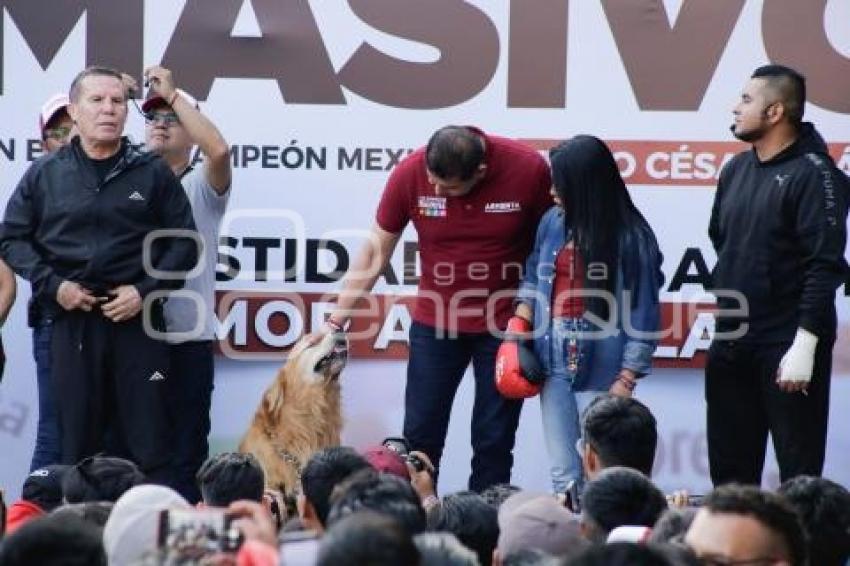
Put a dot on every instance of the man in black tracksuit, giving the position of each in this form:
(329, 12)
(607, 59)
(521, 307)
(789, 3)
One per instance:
(779, 227)
(76, 227)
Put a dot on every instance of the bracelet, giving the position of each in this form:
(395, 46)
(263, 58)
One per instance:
(430, 501)
(173, 98)
(627, 383)
(335, 326)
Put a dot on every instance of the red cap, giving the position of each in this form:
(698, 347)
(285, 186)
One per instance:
(52, 107)
(387, 461)
(153, 99)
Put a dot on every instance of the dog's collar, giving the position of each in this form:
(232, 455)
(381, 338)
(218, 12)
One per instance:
(287, 457)
(290, 458)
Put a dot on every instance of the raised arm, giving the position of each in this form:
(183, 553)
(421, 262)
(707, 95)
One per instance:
(202, 131)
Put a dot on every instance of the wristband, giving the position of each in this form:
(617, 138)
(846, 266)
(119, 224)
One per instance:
(335, 326)
(430, 501)
(627, 383)
(173, 98)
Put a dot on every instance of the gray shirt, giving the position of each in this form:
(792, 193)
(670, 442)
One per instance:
(182, 313)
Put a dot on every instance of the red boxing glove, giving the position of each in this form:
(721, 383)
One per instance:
(518, 373)
(517, 328)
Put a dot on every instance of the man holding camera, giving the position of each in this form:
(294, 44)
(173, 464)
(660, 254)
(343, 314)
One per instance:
(173, 126)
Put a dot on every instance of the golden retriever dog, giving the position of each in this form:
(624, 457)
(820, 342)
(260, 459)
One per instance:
(300, 412)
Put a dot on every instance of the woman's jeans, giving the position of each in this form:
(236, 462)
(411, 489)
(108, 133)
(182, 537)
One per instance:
(560, 406)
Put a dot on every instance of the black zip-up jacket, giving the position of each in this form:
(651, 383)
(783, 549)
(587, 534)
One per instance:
(779, 229)
(62, 223)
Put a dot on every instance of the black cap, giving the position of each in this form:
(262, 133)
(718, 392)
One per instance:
(44, 487)
(100, 478)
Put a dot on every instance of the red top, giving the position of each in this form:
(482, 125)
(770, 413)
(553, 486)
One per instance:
(475, 245)
(569, 280)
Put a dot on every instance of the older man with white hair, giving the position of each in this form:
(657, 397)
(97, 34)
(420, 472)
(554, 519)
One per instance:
(77, 227)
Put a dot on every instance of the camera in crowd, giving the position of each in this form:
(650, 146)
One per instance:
(684, 499)
(401, 446)
(191, 533)
(572, 497)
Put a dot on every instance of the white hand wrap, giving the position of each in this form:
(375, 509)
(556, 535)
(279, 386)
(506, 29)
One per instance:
(798, 361)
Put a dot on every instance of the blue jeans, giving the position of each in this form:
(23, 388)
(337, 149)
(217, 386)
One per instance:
(561, 407)
(48, 447)
(434, 371)
(189, 394)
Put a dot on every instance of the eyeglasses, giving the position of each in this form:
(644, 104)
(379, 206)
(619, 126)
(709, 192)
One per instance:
(167, 118)
(60, 133)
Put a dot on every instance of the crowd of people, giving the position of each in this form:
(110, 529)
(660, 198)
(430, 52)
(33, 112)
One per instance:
(376, 507)
(554, 289)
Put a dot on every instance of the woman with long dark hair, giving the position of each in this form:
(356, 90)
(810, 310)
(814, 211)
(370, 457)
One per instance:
(590, 294)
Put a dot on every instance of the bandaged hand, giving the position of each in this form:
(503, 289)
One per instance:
(795, 368)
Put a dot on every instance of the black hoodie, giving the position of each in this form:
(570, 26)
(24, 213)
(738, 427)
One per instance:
(779, 229)
(64, 223)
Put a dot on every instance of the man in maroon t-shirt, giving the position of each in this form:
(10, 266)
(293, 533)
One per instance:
(475, 201)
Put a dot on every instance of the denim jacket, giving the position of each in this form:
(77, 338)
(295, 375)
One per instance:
(603, 356)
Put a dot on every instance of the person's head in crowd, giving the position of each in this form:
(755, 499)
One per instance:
(387, 461)
(229, 477)
(498, 493)
(824, 508)
(673, 524)
(164, 133)
(738, 522)
(94, 512)
(773, 100)
(619, 496)
(618, 431)
(54, 541)
(531, 557)
(631, 554)
(43, 487)
(55, 123)
(443, 549)
(471, 519)
(98, 108)
(325, 469)
(366, 537)
(455, 160)
(538, 521)
(100, 478)
(382, 493)
(131, 530)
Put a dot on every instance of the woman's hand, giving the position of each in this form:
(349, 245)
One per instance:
(624, 384)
